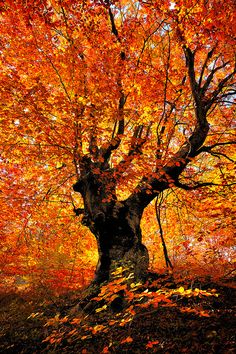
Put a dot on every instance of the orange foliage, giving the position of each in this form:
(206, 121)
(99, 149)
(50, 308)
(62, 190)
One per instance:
(60, 64)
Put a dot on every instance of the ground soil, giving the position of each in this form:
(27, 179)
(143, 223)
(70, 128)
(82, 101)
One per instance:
(76, 323)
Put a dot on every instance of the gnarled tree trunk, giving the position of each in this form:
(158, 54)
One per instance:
(119, 241)
(115, 224)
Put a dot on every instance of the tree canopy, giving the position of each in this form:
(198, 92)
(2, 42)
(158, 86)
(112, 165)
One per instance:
(140, 93)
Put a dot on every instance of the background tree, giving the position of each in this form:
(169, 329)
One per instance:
(128, 99)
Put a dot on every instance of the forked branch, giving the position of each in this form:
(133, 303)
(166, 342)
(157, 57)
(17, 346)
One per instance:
(138, 139)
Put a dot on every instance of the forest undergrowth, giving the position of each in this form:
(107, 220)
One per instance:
(166, 314)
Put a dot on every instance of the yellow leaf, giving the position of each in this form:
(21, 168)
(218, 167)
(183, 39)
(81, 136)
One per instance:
(98, 328)
(101, 308)
(181, 290)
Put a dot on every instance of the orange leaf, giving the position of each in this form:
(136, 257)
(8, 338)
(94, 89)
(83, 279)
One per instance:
(204, 314)
(151, 344)
(127, 340)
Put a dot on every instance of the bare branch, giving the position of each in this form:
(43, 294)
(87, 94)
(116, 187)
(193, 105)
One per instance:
(220, 87)
(164, 116)
(218, 154)
(148, 188)
(210, 147)
(113, 25)
(116, 139)
(201, 129)
(145, 41)
(138, 140)
(200, 185)
(196, 186)
(209, 56)
(211, 76)
(158, 216)
(189, 55)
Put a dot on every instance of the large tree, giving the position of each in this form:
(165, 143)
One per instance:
(131, 98)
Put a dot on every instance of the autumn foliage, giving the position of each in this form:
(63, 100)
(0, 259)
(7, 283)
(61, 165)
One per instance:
(90, 78)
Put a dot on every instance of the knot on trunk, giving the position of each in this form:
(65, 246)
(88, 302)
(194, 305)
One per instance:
(99, 218)
(118, 210)
(86, 220)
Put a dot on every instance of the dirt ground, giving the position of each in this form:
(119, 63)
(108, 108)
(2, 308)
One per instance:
(155, 317)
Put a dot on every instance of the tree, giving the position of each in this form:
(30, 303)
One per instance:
(130, 98)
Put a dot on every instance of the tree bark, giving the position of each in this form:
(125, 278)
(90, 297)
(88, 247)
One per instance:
(116, 226)
(119, 241)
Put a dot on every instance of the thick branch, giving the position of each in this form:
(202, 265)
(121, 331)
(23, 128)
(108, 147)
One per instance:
(116, 140)
(148, 188)
(189, 55)
(201, 129)
(169, 174)
(113, 25)
(136, 141)
(93, 148)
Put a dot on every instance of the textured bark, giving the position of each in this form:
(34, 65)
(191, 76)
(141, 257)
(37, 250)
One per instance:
(119, 241)
(116, 226)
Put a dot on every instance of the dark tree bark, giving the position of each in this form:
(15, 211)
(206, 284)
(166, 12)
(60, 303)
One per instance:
(119, 241)
(115, 224)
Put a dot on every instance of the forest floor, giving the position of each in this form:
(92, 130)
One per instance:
(123, 317)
